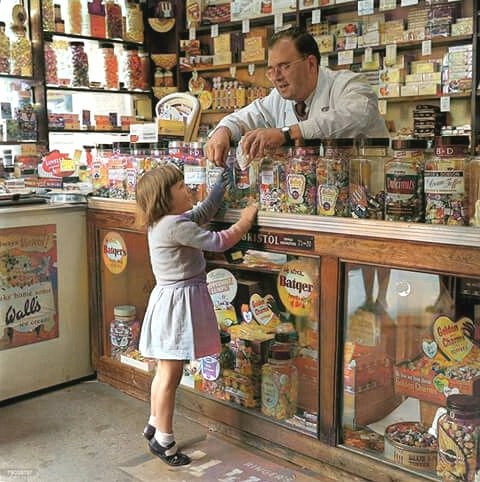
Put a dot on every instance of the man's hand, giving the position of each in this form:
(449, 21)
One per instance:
(255, 142)
(218, 145)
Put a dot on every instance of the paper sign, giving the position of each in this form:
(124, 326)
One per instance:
(146, 133)
(214, 30)
(427, 47)
(278, 21)
(365, 7)
(192, 33)
(245, 25)
(445, 104)
(324, 61)
(406, 3)
(391, 53)
(382, 107)
(345, 57)
(316, 16)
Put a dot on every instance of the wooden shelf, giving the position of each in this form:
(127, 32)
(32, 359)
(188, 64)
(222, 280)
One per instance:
(241, 266)
(88, 38)
(87, 131)
(16, 77)
(17, 143)
(421, 98)
(205, 67)
(89, 90)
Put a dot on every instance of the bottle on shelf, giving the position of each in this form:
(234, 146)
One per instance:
(96, 12)
(4, 50)
(114, 19)
(75, 16)
(79, 65)
(110, 66)
(133, 22)
(20, 53)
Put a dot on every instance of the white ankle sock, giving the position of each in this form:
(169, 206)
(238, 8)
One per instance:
(152, 420)
(164, 439)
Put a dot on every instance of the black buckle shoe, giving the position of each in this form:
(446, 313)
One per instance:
(169, 454)
(149, 431)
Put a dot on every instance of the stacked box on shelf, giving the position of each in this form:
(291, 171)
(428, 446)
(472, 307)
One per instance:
(463, 26)
(373, 28)
(390, 80)
(429, 83)
(427, 121)
(457, 76)
(440, 18)
(393, 32)
(416, 21)
(346, 34)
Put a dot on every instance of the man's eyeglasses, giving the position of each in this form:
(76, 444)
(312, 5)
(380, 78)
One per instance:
(282, 68)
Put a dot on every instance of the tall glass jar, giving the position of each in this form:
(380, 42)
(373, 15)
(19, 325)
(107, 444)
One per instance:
(272, 179)
(124, 330)
(79, 65)
(134, 22)
(176, 153)
(459, 439)
(132, 68)
(194, 170)
(96, 12)
(279, 383)
(75, 16)
(99, 169)
(244, 189)
(445, 182)
(4, 50)
(21, 53)
(332, 177)
(51, 71)
(48, 16)
(404, 181)
(300, 180)
(110, 66)
(145, 69)
(114, 19)
(367, 179)
(474, 192)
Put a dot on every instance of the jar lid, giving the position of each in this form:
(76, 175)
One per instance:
(124, 310)
(106, 45)
(400, 144)
(464, 403)
(311, 142)
(104, 146)
(282, 337)
(196, 145)
(175, 144)
(225, 337)
(130, 47)
(76, 44)
(340, 142)
(375, 142)
(452, 141)
(2, 24)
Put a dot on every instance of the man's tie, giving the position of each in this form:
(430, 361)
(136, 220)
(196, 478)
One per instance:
(301, 110)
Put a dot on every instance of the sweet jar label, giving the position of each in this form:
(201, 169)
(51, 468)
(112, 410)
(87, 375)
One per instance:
(296, 188)
(450, 338)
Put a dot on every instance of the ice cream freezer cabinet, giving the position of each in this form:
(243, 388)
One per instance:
(44, 321)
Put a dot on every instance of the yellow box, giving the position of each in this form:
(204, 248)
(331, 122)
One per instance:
(423, 67)
(222, 58)
(391, 75)
(253, 43)
(170, 127)
(409, 89)
(429, 88)
(325, 43)
(414, 78)
(389, 90)
(432, 76)
(253, 56)
(222, 43)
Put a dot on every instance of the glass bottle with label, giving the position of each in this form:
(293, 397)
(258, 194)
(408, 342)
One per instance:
(445, 181)
(124, 330)
(404, 181)
(272, 179)
(332, 177)
(367, 179)
(459, 439)
(20, 53)
(279, 382)
(301, 180)
(110, 66)
(79, 65)
(134, 22)
(4, 50)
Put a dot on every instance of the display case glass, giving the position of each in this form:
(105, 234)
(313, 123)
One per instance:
(412, 341)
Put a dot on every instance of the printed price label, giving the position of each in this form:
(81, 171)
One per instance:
(365, 7)
(214, 31)
(445, 104)
(245, 25)
(192, 33)
(345, 57)
(427, 47)
(316, 16)
(382, 107)
(251, 69)
(406, 3)
(391, 53)
(278, 21)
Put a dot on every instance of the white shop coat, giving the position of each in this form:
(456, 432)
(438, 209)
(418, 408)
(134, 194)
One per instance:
(343, 105)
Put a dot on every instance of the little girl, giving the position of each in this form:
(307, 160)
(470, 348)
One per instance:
(179, 322)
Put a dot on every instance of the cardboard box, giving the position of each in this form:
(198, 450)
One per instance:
(242, 389)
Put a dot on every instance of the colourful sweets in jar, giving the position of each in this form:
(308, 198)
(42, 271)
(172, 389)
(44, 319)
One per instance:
(79, 65)
(301, 181)
(51, 71)
(110, 66)
(4, 50)
(272, 179)
(133, 77)
(114, 19)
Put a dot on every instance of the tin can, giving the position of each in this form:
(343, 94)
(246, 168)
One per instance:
(409, 444)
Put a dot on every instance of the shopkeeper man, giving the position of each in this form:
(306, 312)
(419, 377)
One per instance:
(308, 102)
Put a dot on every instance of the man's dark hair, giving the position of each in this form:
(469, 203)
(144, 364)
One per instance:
(304, 42)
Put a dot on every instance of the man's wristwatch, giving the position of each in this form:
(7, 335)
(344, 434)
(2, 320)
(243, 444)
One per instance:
(286, 134)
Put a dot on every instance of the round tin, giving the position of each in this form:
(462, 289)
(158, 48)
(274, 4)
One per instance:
(416, 458)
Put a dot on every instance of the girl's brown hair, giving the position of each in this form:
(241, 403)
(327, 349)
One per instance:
(153, 193)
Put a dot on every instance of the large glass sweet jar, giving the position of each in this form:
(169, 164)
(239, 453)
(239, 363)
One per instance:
(75, 16)
(194, 170)
(458, 440)
(445, 181)
(244, 189)
(332, 177)
(114, 19)
(132, 68)
(301, 181)
(48, 15)
(124, 330)
(367, 180)
(51, 71)
(4, 50)
(96, 12)
(279, 381)
(110, 66)
(134, 22)
(404, 181)
(79, 65)
(272, 177)
(20, 53)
